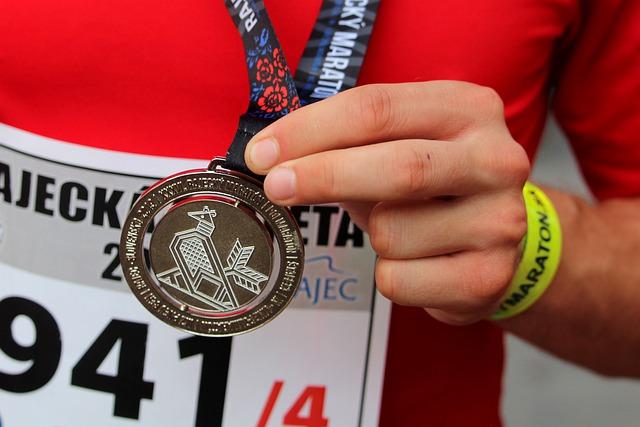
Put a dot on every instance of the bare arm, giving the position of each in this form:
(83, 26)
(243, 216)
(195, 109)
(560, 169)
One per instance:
(590, 314)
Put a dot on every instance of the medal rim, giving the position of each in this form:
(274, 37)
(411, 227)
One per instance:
(275, 301)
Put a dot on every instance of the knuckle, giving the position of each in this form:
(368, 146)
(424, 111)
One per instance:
(380, 230)
(512, 219)
(521, 163)
(518, 219)
(516, 165)
(486, 100)
(326, 178)
(489, 281)
(514, 231)
(375, 109)
(505, 164)
(386, 279)
(410, 176)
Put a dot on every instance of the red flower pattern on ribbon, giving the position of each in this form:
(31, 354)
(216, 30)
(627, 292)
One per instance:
(265, 70)
(274, 98)
(279, 63)
(271, 76)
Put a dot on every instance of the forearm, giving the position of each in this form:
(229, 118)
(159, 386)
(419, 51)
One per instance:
(590, 314)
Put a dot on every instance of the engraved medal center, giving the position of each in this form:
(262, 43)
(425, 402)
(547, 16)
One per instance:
(211, 255)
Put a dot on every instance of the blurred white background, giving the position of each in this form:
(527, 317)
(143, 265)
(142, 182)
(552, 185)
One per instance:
(541, 390)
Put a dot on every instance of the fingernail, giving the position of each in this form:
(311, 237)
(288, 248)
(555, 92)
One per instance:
(280, 184)
(264, 153)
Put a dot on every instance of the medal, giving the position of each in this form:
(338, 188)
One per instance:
(222, 259)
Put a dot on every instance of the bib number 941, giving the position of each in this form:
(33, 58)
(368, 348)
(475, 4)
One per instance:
(128, 386)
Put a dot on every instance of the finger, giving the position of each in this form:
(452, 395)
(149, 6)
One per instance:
(374, 113)
(462, 282)
(461, 317)
(359, 213)
(388, 171)
(439, 227)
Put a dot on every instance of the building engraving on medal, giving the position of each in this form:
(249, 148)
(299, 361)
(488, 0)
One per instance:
(200, 272)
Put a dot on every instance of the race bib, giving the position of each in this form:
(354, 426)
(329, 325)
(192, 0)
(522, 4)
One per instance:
(77, 349)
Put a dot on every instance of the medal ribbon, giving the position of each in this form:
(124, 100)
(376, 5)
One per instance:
(330, 64)
(334, 54)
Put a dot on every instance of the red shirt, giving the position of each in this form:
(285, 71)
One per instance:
(168, 78)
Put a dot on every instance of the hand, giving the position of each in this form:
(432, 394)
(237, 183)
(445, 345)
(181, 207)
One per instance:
(429, 170)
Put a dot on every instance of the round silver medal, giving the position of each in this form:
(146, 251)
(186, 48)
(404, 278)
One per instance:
(221, 260)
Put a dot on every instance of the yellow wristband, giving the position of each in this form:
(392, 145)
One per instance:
(540, 257)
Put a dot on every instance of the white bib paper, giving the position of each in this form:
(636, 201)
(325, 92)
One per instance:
(77, 349)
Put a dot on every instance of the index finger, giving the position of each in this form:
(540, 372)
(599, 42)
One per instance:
(370, 114)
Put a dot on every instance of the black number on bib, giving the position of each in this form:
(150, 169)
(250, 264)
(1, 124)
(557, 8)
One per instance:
(128, 385)
(113, 249)
(109, 273)
(213, 375)
(44, 353)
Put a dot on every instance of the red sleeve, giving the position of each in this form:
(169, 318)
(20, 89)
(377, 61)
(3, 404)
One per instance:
(597, 100)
